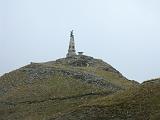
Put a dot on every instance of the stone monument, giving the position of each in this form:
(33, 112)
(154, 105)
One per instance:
(71, 50)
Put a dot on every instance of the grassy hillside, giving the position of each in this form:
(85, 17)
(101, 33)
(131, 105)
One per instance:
(42, 91)
(141, 103)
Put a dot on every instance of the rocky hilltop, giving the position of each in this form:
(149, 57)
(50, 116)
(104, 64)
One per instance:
(72, 88)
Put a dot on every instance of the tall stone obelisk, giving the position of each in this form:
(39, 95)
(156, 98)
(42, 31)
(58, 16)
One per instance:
(71, 50)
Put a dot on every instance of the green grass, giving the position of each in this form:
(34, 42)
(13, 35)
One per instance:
(142, 103)
(54, 87)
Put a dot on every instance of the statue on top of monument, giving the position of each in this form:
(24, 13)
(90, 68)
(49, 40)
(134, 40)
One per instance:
(72, 33)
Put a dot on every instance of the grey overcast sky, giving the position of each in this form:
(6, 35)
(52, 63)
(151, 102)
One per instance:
(124, 33)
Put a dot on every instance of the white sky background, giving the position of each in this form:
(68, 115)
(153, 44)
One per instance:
(124, 33)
